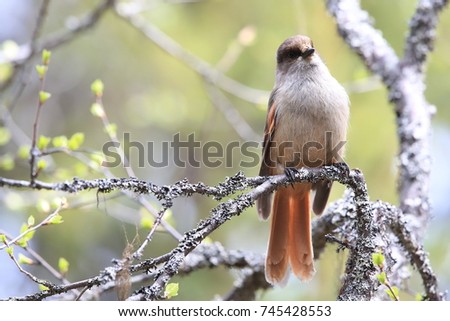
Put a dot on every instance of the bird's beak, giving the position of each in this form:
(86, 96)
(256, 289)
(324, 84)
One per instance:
(308, 52)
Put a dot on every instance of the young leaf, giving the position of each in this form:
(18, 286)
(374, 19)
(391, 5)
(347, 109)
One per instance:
(378, 259)
(58, 201)
(43, 142)
(25, 259)
(43, 287)
(382, 277)
(393, 294)
(24, 151)
(30, 220)
(10, 49)
(41, 164)
(111, 129)
(43, 205)
(6, 71)
(28, 236)
(97, 110)
(41, 70)
(146, 222)
(207, 240)
(22, 243)
(5, 136)
(63, 265)
(46, 54)
(171, 290)
(76, 141)
(44, 96)
(60, 141)
(97, 87)
(96, 160)
(7, 162)
(3, 238)
(57, 219)
(10, 251)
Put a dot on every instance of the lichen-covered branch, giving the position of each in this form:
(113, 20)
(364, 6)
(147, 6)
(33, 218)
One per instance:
(415, 251)
(353, 218)
(404, 79)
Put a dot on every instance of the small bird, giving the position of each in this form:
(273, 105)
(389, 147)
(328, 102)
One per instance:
(306, 126)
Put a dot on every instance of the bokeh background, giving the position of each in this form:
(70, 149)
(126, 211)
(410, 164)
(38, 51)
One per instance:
(152, 96)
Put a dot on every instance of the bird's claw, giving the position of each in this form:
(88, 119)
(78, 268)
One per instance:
(290, 174)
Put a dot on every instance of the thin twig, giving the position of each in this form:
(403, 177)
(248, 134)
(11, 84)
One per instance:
(196, 64)
(45, 221)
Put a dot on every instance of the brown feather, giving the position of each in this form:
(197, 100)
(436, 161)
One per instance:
(323, 189)
(277, 259)
(300, 249)
(263, 203)
(292, 245)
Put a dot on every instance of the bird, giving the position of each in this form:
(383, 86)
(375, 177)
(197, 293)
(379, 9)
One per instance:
(306, 126)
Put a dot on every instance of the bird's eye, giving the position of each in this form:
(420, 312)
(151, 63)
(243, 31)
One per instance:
(294, 54)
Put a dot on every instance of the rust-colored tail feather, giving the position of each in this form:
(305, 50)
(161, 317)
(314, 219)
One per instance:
(290, 236)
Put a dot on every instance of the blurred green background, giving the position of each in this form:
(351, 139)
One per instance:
(154, 96)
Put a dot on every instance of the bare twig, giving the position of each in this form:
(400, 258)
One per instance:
(234, 118)
(138, 254)
(31, 276)
(39, 24)
(205, 70)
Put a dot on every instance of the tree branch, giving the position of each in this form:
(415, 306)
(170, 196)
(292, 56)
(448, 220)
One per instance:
(404, 79)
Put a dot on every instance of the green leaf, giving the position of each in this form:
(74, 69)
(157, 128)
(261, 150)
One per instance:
(43, 142)
(46, 54)
(63, 265)
(24, 151)
(5, 136)
(97, 110)
(10, 250)
(22, 243)
(111, 129)
(25, 259)
(378, 259)
(80, 170)
(57, 219)
(41, 70)
(391, 295)
(30, 220)
(419, 297)
(43, 287)
(7, 162)
(146, 222)
(41, 164)
(97, 160)
(76, 141)
(44, 96)
(10, 49)
(207, 240)
(97, 87)
(382, 277)
(6, 71)
(28, 236)
(58, 201)
(171, 290)
(43, 205)
(3, 238)
(60, 141)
